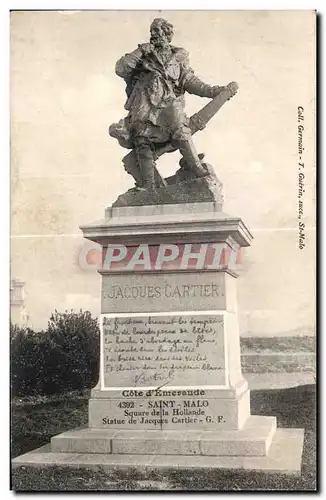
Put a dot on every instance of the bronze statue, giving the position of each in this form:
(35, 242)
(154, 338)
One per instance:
(157, 75)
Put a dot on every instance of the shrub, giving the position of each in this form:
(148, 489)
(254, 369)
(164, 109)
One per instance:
(72, 353)
(26, 365)
(64, 357)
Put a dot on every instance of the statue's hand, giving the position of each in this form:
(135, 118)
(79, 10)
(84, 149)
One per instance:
(146, 48)
(232, 87)
(216, 90)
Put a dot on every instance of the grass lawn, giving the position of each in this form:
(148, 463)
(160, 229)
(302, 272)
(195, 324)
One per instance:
(36, 420)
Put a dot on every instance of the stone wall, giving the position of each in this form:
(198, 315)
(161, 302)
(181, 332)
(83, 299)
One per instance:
(278, 354)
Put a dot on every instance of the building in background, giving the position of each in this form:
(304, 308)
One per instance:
(18, 312)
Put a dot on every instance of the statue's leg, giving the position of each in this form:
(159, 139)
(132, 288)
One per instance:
(146, 162)
(182, 139)
(130, 163)
(190, 156)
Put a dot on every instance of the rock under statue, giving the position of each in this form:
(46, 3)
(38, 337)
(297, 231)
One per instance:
(157, 75)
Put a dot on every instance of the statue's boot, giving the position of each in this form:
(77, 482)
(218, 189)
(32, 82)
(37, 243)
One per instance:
(130, 162)
(188, 151)
(146, 163)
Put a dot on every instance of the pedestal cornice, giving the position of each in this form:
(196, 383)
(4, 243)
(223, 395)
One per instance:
(181, 222)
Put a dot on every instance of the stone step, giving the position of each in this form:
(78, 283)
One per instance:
(284, 457)
(254, 439)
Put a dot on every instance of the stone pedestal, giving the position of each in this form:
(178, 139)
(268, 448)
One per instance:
(170, 381)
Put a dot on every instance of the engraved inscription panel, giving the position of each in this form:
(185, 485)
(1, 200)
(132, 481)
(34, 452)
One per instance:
(163, 292)
(152, 351)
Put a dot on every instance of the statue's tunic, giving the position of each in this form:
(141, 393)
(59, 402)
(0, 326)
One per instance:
(155, 90)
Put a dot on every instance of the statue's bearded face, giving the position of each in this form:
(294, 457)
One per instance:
(159, 37)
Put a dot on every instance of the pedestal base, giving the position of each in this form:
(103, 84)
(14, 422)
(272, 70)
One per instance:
(254, 439)
(284, 456)
(171, 392)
